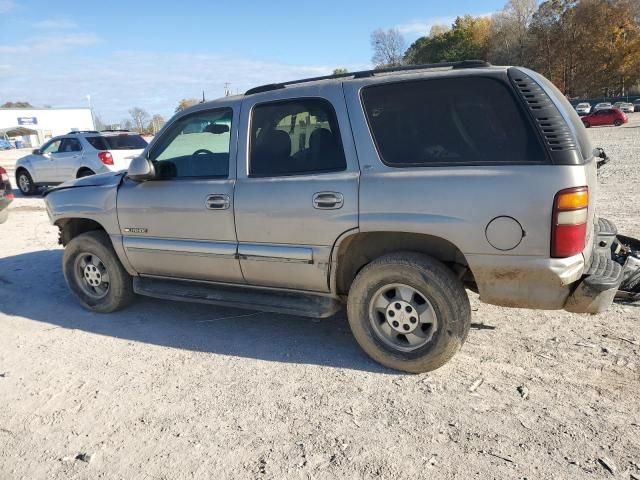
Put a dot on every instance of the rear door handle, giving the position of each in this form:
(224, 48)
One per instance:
(328, 200)
(217, 201)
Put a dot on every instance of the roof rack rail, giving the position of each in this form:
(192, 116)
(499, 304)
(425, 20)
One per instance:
(371, 73)
(82, 131)
(115, 130)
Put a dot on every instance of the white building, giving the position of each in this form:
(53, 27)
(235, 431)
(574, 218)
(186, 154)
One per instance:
(34, 126)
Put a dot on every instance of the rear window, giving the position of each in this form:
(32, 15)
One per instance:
(118, 142)
(466, 121)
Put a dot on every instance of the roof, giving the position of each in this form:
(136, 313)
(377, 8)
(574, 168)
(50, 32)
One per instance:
(372, 73)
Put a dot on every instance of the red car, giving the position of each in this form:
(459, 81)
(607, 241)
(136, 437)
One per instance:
(608, 116)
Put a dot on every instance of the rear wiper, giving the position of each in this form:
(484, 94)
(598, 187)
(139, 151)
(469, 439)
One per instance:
(602, 156)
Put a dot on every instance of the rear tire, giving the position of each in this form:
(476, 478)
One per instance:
(25, 183)
(426, 320)
(95, 275)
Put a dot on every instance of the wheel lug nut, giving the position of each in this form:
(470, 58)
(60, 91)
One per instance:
(395, 324)
(408, 309)
(413, 320)
(392, 313)
(406, 327)
(398, 306)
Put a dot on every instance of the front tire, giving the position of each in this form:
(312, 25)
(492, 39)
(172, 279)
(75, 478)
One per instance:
(409, 312)
(618, 122)
(95, 275)
(25, 183)
(586, 124)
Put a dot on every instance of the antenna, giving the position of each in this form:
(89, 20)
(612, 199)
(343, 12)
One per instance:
(227, 90)
(203, 100)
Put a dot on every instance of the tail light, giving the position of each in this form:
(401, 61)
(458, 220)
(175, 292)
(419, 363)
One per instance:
(3, 175)
(106, 158)
(569, 228)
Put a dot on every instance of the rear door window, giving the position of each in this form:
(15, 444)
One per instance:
(295, 137)
(69, 145)
(449, 121)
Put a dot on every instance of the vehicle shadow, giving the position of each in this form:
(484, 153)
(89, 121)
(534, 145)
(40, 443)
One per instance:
(32, 286)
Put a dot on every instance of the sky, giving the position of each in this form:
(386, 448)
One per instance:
(151, 54)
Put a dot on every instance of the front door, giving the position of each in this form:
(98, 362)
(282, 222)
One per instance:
(297, 188)
(181, 224)
(44, 165)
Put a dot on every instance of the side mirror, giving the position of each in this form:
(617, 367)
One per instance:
(141, 169)
(36, 151)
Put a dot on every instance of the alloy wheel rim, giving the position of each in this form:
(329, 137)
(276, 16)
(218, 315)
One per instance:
(92, 275)
(402, 317)
(23, 183)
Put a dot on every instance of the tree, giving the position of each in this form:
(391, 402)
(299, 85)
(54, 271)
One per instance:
(16, 105)
(388, 48)
(139, 117)
(156, 123)
(438, 30)
(340, 71)
(185, 103)
(467, 39)
(99, 124)
(510, 34)
(126, 124)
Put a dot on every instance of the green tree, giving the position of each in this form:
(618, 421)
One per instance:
(340, 71)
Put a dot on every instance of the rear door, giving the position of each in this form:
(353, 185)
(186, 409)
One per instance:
(67, 159)
(181, 224)
(297, 188)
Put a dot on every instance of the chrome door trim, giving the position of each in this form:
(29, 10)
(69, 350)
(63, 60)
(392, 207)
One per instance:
(180, 247)
(275, 253)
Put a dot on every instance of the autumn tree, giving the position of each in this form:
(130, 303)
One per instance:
(388, 48)
(510, 32)
(185, 103)
(468, 38)
(139, 117)
(156, 123)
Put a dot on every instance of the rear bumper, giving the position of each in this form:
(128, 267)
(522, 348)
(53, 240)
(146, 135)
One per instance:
(553, 283)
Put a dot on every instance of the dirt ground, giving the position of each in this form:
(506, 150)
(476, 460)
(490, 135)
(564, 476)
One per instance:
(177, 391)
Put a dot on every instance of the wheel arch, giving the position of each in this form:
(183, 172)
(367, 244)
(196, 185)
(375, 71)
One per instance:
(355, 249)
(74, 226)
(84, 168)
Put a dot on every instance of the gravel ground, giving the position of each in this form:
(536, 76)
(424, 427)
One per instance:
(174, 391)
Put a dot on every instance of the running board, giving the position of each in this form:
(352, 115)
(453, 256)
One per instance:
(251, 298)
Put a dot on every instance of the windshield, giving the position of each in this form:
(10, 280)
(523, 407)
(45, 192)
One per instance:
(118, 142)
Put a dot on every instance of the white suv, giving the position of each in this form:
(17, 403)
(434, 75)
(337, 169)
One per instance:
(75, 155)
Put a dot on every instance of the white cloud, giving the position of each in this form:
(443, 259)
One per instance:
(153, 81)
(56, 23)
(50, 44)
(420, 27)
(7, 5)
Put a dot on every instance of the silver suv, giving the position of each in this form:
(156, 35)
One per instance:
(387, 191)
(77, 154)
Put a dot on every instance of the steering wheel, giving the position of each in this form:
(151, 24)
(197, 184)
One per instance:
(201, 151)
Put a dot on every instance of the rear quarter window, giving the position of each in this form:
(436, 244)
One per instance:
(450, 121)
(118, 142)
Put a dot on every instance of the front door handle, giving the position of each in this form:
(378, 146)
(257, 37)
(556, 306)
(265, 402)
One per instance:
(217, 202)
(328, 200)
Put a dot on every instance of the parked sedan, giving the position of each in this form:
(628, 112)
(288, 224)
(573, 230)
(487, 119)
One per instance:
(609, 116)
(6, 195)
(624, 106)
(602, 106)
(583, 108)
